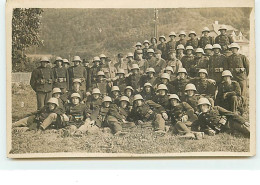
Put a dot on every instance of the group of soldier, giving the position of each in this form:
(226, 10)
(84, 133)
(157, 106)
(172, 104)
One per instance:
(168, 85)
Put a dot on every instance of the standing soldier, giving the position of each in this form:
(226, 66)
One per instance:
(151, 59)
(41, 82)
(153, 43)
(87, 67)
(61, 75)
(79, 72)
(143, 64)
(94, 70)
(223, 39)
(217, 64)
(188, 60)
(238, 64)
(101, 83)
(138, 48)
(66, 63)
(146, 44)
(109, 69)
(174, 62)
(205, 38)
(160, 62)
(121, 63)
(208, 51)
(180, 51)
(193, 41)
(201, 62)
(94, 103)
(171, 45)
(182, 39)
(162, 46)
(130, 62)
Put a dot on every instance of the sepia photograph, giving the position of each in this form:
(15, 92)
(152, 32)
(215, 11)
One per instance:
(90, 81)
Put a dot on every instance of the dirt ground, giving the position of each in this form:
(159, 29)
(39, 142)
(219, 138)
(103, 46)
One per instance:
(138, 140)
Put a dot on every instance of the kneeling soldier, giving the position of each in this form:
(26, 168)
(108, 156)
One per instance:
(213, 120)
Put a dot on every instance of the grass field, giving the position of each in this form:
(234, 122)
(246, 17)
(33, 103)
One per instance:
(138, 140)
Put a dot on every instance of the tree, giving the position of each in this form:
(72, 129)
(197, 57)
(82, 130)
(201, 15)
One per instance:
(25, 33)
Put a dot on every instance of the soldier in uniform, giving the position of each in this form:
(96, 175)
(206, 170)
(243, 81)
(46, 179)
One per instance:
(165, 79)
(188, 60)
(120, 80)
(205, 38)
(151, 59)
(143, 64)
(171, 45)
(129, 93)
(146, 44)
(162, 47)
(172, 72)
(148, 92)
(66, 63)
(101, 83)
(76, 88)
(41, 82)
(130, 62)
(61, 75)
(138, 48)
(223, 39)
(88, 68)
(182, 39)
(94, 70)
(121, 63)
(134, 78)
(191, 97)
(78, 71)
(174, 62)
(229, 93)
(115, 94)
(145, 112)
(149, 77)
(193, 41)
(179, 51)
(109, 69)
(102, 60)
(238, 64)
(161, 97)
(153, 43)
(213, 120)
(201, 62)
(208, 51)
(217, 64)
(160, 63)
(56, 93)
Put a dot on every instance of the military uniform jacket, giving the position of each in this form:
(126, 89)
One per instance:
(76, 113)
(217, 64)
(145, 79)
(224, 41)
(147, 96)
(42, 79)
(201, 63)
(145, 54)
(233, 89)
(175, 64)
(193, 42)
(180, 56)
(181, 41)
(109, 70)
(44, 112)
(135, 53)
(134, 81)
(238, 64)
(205, 40)
(93, 73)
(77, 72)
(162, 100)
(163, 48)
(192, 101)
(159, 66)
(205, 87)
(153, 46)
(61, 77)
(179, 86)
(143, 65)
(121, 83)
(102, 86)
(171, 46)
(188, 62)
(118, 112)
(152, 62)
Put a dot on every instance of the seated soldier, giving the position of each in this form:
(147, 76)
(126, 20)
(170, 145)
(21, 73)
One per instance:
(79, 120)
(148, 77)
(101, 83)
(191, 97)
(120, 80)
(205, 87)
(76, 84)
(161, 97)
(170, 71)
(56, 93)
(43, 118)
(201, 62)
(181, 116)
(115, 94)
(134, 78)
(129, 92)
(174, 62)
(94, 102)
(229, 93)
(165, 79)
(148, 112)
(213, 120)
(148, 92)
(117, 116)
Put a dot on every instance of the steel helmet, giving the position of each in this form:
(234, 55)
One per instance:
(174, 96)
(102, 56)
(115, 88)
(180, 46)
(150, 51)
(135, 66)
(107, 99)
(203, 101)
(205, 29)
(189, 47)
(58, 59)
(45, 59)
(166, 76)
(96, 59)
(169, 68)
(203, 71)
(75, 95)
(208, 46)
(96, 91)
(182, 33)
(56, 90)
(138, 44)
(146, 41)
(190, 87)
(199, 50)
(148, 84)
(227, 73)
(182, 70)
(101, 73)
(65, 60)
(162, 87)
(192, 32)
(162, 36)
(148, 70)
(76, 80)
(129, 87)
(222, 27)
(77, 58)
(234, 45)
(172, 34)
(138, 97)
(130, 55)
(54, 101)
(216, 46)
(120, 71)
(124, 98)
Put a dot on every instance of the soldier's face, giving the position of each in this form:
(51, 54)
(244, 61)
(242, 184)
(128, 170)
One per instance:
(56, 95)
(138, 47)
(164, 81)
(120, 75)
(162, 40)
(190, 92)
(234, 50)
(172, 56)
(76, 63)
(102, 60)
(222, 32)
(172, 37)
(44, 64)
(76, 85)
(139, 103)
(216, 51)
(202, 75)
(135, 71)
(97, 63)
(158, 56)
(75, 100)
(174, 102)
(150, 54)
(128, 92)
(96, 96)
(129, 59)
(208, 51)
(199, 54)
(86, 64)
(101, 77)
(182, 75)
(227, 79)
(59, 63)
(116, 93)
(206, 33)
(204, 108)
(192, 36)
(146, 45)
(123, 104)
(180, 51)
(153, 41)
(66, 65)
(182, 36)
(147, 89)
(162, 92)
(189, 51)
(51, 106)
(106, 104)
(150, 74)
